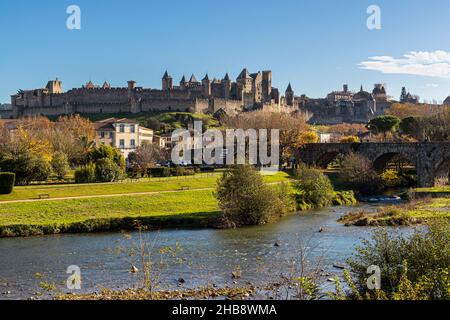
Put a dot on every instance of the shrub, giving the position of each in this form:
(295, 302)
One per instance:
(344, 198)
(60, 165)
(154, 124)
(189, 172)
(104, 151)
(391, 178)
(310, 137)
(106, 170)
(197, 170)
(85, 174)
(421, 259)
(357, 173)
(312, 188)
(160, 172)
(27, 166)
(177, 171)
(350, 139)
(245, 200)
(286, 197)
(42, 170)
(7, 181)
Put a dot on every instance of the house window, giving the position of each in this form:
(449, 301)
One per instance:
(132, 143)
(102, 134)
(111, 135)
(132, 128)
(122, 144)
(122, 128)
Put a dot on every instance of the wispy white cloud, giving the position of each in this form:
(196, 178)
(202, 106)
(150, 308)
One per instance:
(432, 85)
(421, 63)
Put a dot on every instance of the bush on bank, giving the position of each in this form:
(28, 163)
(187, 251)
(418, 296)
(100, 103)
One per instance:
(7, 181)
(106, 170)
(313, 189)
(357, 173)
(413, 267)
(244, 199)
(85, 174)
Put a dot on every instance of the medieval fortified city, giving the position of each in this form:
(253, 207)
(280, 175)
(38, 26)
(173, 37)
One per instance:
(324, 176)
(250, 91)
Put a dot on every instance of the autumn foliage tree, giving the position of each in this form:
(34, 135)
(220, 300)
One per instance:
(293, 128)
(144, 158)
(30, 149)
(405, 110)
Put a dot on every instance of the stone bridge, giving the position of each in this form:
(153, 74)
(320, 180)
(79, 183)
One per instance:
(431, 159)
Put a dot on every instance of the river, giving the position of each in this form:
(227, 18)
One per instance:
(199, 256)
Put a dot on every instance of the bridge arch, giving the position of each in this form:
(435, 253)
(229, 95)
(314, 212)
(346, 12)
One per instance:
(326, 158)
(382, 161)
(442, 173)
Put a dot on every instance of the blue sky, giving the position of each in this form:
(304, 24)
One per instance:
(315, 45)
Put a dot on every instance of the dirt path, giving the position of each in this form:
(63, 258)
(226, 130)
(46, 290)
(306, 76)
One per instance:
(104, 196)
(113, 195)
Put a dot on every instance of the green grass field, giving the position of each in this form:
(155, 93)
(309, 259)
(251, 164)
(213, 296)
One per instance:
(437, 208)
(192, 208)
(147, 185)
(79, 210)
(441, 189)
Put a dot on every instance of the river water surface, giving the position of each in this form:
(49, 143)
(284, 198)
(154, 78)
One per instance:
(199, 256)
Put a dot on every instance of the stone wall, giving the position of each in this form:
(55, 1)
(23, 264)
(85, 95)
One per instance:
(229, 106)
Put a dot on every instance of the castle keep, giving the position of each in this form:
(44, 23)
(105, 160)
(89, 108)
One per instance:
(248, 92)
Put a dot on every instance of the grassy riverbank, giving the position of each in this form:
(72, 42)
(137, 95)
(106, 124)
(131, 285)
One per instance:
(435, 192)
(153, 204)
(166, 207)
(177, 209)
(412, 213)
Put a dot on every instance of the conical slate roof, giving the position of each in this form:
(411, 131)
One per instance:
(193, 79)
(447, 101)
(289, 88)
(90, 85)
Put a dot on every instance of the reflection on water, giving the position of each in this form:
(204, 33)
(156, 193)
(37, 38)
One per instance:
(206, 256)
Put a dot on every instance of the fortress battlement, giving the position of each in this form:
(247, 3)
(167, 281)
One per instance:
(248, 91)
